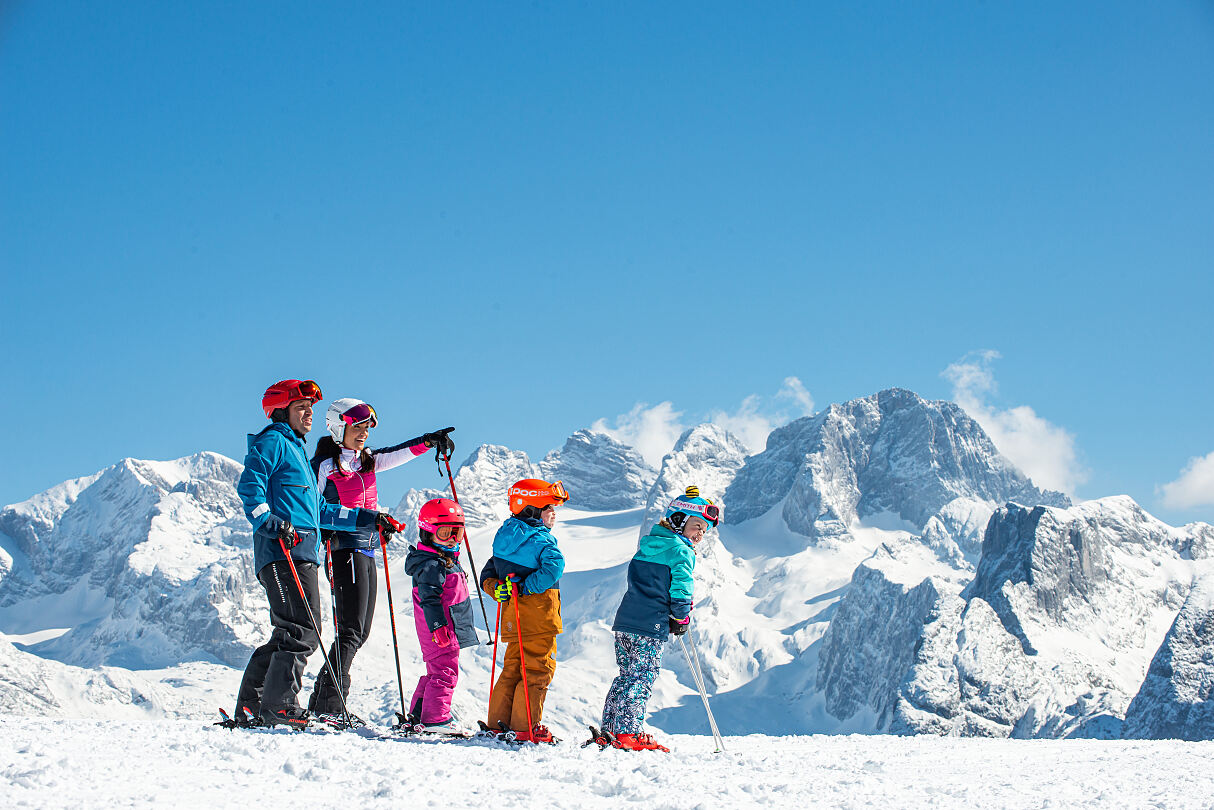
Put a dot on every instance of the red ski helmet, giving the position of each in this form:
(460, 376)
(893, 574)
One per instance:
(284, 392)
(439, 512)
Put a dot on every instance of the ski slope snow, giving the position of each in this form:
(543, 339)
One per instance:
(48, 763)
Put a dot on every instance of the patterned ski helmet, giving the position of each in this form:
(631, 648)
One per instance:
(690, 504)
(348, 411)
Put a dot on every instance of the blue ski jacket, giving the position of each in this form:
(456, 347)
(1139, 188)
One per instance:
(526, 548)
(659, 585)
(278, 479)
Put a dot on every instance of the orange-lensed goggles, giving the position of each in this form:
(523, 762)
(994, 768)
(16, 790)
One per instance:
(448, 532)
(306, 390)
(558, 491)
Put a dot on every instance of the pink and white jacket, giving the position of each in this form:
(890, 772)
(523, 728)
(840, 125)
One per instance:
(350, 485)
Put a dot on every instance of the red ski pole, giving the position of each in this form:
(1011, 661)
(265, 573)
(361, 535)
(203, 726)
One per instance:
(311, 616)
(518, 624)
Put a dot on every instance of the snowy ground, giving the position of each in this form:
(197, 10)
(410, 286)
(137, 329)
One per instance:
(179, 763)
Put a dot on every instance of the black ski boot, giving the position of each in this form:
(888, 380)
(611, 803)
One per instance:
(290, 716)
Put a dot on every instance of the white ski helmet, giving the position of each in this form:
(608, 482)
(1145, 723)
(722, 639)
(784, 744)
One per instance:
(348, 411)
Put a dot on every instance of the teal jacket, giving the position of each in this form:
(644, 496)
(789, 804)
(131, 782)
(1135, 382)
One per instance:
(659, 585)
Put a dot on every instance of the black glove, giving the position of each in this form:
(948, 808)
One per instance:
(679, 628)
(282, 529)
(441, 440)
(385, 524)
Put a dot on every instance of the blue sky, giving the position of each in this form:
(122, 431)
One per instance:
(522, 220)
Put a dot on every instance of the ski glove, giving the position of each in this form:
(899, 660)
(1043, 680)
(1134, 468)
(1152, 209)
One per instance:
(442, 636)
(504, 589)
(441, 440)
(381, 521)
(281, 529)
(678, 628)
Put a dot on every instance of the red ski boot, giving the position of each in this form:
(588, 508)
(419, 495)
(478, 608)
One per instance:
(639, 742)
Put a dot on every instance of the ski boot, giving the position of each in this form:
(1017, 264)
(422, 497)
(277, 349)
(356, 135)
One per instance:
(538, 734)
(289, 716)
(638, 742)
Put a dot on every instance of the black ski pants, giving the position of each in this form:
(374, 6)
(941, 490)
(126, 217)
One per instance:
(274, 676)
(354, 585)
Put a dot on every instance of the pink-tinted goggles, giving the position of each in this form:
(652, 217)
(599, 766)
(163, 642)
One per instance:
(360, 413)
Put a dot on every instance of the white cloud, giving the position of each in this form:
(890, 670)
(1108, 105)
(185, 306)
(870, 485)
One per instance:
(1194, 487)
(651, 430)
(1044, 451)
(793, 389)
(755, 418)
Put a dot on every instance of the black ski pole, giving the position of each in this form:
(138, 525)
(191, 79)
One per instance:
(311, 616)
(480, 596)
(336, 624)
(400, 683)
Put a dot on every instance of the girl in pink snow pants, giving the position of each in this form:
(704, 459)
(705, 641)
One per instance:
(442, 612)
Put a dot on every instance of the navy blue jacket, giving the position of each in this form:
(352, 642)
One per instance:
(659, 585)
(278, 480)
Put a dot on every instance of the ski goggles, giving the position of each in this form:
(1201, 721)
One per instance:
(449, 532)
(709, 511)
(557, 490)
(360, 413)
(307, 389)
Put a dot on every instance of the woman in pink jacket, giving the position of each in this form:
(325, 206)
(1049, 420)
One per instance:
(442, 613)
(345, 471)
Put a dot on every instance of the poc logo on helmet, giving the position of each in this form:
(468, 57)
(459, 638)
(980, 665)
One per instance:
(529, 493)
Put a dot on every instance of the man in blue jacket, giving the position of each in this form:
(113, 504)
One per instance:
(282, 501)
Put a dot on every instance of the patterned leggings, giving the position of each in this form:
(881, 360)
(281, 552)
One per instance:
(639, 659)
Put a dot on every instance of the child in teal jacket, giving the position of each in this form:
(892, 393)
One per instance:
(657, 603)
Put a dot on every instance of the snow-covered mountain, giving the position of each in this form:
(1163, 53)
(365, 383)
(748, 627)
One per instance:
(892, 454)
(145, 564)
(601, 474)
(1177, 698)
(881, 568)
(1053, 635)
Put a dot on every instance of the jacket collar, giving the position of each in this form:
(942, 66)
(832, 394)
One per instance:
(277, 427)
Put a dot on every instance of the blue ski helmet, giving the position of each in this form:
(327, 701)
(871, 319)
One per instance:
(691, 504)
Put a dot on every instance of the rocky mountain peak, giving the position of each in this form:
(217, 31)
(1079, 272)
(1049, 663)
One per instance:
(600, 473)
(892, 453)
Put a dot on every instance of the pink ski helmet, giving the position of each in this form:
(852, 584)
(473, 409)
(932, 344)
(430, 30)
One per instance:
(443, 518)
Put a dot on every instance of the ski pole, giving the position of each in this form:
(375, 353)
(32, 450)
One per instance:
(522, 657)
(695, 657)
(400, 683)
(336, 625)
(497, 630)
(311, 616)
(697, 675)
(480, 597)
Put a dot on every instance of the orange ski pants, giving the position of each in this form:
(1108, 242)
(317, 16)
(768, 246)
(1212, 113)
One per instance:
(508, 704)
